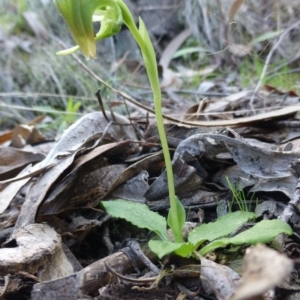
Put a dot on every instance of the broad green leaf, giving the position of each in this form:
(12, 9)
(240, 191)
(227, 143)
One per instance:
(138, 214)
(177, 221)
(263, 232)
(162, 248)
(222, 227)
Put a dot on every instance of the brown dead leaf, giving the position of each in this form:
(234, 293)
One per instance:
(234, 8)
(254, 160)
(26, 134)
(274, 89)
(136, 168)
(240, 50)
(39, 250)
(9, 192)
(134, 189)
(89, 180)
(12, 160)
(263, 269)
(218, 279)
(85, 134)
(185, 179)
(6, 136)
(39, 189)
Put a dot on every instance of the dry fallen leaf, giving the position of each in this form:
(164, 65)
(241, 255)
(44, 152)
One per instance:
(86, 134)
(39, 250)
(234, 8)
(218, 279)
(26, 134)
(263, 269)
(240, 50)
(256, 161)
(12, 160)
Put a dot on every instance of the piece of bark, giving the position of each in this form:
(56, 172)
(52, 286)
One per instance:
(88, 280)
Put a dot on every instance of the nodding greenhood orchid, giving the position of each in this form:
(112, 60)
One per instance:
(79, 15)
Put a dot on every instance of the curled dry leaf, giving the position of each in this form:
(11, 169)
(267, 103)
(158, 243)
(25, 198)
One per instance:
(134, 189)
(218, 279)
(39, 190)
(85, 134)
(241, 180)
(253, 160)
(234, 8)
(263, 269)
(12, 160)
(39, 250)
(26, 134)
(87, 181)
(185, 178)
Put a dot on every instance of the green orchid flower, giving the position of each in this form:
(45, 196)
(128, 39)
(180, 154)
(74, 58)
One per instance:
(79, 15)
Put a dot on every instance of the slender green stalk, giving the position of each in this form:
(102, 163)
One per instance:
(78, 15)
(151, 67)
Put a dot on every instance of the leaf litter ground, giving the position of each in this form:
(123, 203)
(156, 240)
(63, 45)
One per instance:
(110, 156)
(96, 159)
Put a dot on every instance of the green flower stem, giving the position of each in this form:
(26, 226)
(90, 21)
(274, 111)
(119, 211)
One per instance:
(151, 67)
(78, 14)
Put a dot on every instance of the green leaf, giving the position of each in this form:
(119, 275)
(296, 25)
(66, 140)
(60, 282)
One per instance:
(222, 227)
(263, 232)
(162, 248)
(176, 221)
(266, 36)
(148, 52)
(221, 243)
(189, 50)
(138, 214)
